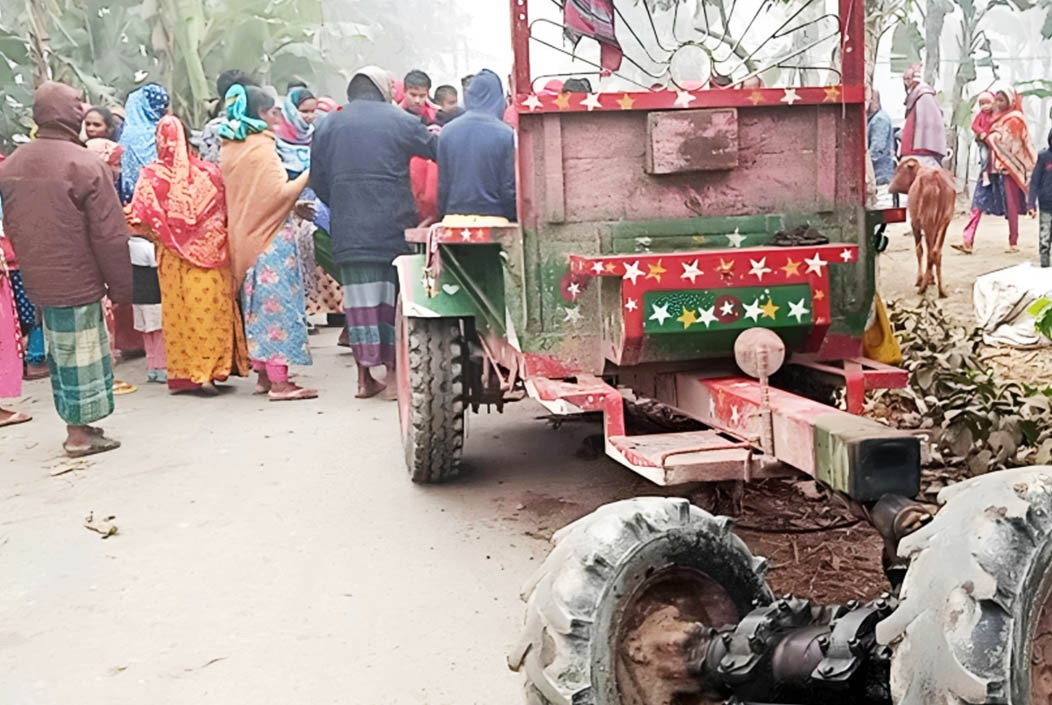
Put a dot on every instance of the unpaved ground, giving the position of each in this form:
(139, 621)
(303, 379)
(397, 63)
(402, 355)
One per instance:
(898, 271)
(278, 554)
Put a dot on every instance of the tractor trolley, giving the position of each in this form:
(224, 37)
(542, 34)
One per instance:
(693, 232)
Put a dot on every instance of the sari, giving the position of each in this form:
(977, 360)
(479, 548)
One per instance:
(264, 252)
(180, 198)
(11, 352)
(1009, 140)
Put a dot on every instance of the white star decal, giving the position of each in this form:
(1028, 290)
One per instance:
(759, 268)
(753, 311)
(846, 255)
(574, 289)
(661, 314)
(597, 268)
(571, 315)
(816, 263)
(798, 310)
(790, 96)
(632, 271)
(736, 415)
(465, 234)
(691, 271)
(533, 103)
(727, 309)
(631, 305)
(736, 238)
(707, 316)
(592, 102)
(684, 99)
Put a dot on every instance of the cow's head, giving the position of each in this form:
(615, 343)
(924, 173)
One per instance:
(905, 173)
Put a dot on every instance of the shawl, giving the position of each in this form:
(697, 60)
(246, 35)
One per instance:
(259, 197)
(294, 135)
(924, 131)
(1009, 140)
(381, 79)
(145, 108)
(238, 124)
(180, 198)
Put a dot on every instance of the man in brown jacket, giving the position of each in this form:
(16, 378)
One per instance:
(65, 221)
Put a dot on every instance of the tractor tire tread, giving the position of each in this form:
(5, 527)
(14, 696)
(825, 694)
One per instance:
(437, 401)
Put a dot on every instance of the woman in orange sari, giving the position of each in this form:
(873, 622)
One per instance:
(181, 200)
(1011, 155)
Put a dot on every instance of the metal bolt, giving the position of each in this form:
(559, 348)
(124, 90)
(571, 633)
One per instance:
(885, 595)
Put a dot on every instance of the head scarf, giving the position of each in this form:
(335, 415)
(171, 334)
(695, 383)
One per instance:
(1015, 101)
(381, 80)
(327, 105)
(144, 109)
(912, 74)
(294, 135)
(238, 124)
(181, 199)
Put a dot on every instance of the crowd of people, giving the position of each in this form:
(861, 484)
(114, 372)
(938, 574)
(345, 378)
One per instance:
(1013, 179)
(125, 230)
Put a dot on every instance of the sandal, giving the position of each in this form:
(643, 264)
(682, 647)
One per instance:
(15, 419)
(962, 248)
(121, 388)
(1011, 250)
(293, 395)
(99, 444)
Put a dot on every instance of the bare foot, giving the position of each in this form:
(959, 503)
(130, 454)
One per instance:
(368, 386)
(263, 384)
(390, 393)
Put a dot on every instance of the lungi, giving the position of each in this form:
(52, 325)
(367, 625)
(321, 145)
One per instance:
(370, 294)
(78, 355)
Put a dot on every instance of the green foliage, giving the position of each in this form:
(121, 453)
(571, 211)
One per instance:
(1041, 310)
(907, 42)
(973, 416)
(109, 48)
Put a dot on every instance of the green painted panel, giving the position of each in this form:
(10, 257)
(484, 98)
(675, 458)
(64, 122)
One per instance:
(471, 285)
(690, 242)
(732, 309)
(451, 299)
(698, 226)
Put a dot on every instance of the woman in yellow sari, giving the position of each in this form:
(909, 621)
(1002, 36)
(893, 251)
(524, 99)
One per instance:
(180, 199)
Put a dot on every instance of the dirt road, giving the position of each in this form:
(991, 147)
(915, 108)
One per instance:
(278, 554)
(275, 553)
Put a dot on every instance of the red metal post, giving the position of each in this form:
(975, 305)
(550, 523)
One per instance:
(520, 42)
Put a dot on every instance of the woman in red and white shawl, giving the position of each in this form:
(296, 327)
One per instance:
(180, 199)
(1002, 192)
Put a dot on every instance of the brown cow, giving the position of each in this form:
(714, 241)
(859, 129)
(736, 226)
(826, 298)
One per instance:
(932, 194)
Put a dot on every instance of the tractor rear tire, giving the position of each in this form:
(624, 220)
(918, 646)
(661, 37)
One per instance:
(431, 396)
(974, 624)
(608, 575)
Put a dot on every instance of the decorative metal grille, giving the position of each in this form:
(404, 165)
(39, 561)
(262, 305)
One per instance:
(685, 44)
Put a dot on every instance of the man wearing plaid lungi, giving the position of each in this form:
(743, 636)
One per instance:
(64, 219)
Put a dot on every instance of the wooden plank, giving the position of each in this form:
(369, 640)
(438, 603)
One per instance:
(554, 191)
(692, 140)
(827, 156)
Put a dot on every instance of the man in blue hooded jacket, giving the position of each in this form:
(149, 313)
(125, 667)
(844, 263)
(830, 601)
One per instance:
(476, 155)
